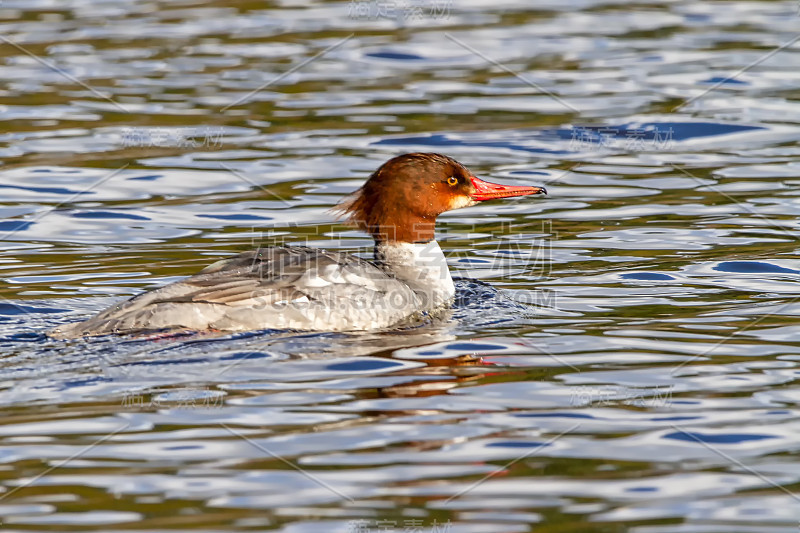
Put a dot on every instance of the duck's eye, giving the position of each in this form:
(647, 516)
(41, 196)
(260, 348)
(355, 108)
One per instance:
(452, 181)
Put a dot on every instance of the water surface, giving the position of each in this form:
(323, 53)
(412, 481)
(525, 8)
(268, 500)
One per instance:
(622, 356)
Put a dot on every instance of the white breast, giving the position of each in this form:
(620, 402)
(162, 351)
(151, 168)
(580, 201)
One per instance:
(422, 266)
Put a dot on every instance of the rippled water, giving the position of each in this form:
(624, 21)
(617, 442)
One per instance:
(623, 356)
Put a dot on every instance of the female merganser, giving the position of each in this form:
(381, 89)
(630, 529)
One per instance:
(301, 288)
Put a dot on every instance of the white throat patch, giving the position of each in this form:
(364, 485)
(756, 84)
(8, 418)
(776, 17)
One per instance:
(457, 202)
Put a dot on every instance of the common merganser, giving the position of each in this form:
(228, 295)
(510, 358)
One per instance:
(301, 288)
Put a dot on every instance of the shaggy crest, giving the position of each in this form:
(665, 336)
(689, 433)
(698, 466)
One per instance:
(396, 203)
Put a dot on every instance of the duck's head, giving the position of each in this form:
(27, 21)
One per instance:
(401, 200)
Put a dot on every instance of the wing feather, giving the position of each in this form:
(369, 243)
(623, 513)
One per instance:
(292, 287)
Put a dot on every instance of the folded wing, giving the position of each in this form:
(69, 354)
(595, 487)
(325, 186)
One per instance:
(286, 287)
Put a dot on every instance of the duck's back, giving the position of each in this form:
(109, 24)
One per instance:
(284, 287)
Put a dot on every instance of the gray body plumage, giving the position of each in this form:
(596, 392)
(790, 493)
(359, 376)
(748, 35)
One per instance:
(287, 287)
